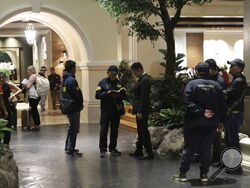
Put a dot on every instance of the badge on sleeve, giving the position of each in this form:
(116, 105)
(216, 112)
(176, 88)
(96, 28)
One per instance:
(98, 88)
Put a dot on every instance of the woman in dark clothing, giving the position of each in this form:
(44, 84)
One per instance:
(9, 91)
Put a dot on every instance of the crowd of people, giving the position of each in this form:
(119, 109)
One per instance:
(212, 105)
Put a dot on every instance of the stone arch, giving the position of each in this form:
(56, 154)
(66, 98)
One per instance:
(78, 45)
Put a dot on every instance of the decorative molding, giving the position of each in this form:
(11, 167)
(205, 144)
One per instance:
(98, 65)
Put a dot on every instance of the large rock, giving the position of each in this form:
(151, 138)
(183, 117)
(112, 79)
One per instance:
(157, 135)
(172, 143)
(8, 170)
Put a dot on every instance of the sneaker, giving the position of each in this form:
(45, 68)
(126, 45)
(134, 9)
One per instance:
(102, 154)
(115, 152)
(136, 154)
(73, 153)
(203, 177)
(180, 177)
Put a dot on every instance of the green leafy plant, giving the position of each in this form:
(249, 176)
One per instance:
(3, 128)
(126, 78)
(170, 117)
(167, 98)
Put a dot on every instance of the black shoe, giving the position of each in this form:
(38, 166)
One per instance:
(73, 153)
(75, 150)
(147, 156)
(136, 154)
(115, 152)
(203, 177)
(238, 171)
(180, 177)
(102, 154)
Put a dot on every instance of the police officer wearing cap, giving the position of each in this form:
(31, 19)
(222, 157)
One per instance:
(111, 94)
(217, 144)
(205, 113)
(235, 94)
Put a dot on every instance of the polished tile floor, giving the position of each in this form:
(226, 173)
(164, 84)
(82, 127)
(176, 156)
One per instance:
(42, 163)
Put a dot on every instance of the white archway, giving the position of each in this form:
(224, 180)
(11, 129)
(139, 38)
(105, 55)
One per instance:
(76, 42)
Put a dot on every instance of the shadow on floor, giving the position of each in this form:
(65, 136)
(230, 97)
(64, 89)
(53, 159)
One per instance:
(216, 182)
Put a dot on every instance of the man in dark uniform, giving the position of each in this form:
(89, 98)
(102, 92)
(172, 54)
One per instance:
(111, 93)
(55, 83)
(217, 144)
(235, 94)
(72, 93)
(141, 109)
(205, 112)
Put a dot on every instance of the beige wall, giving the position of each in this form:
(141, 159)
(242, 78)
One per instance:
(100, 39)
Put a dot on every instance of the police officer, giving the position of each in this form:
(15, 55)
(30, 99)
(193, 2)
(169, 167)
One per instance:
(235, 94)
(205, 112)
(72, 92)
(111, 93)
(141, 109)
(217, 144)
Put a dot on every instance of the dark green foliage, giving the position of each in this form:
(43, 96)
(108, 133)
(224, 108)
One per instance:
(126, 78)
(167, 98)
(3, 127)
(170, 117)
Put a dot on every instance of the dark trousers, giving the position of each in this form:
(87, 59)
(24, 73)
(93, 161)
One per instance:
(217, 147)
(73, 130)
(112, 120)
(202, 139)
(232, 126)
(34, 112)
(143, 134)
(7, 134)
(55, 96)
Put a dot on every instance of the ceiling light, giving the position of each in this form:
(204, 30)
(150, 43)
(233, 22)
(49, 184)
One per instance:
(30, 34)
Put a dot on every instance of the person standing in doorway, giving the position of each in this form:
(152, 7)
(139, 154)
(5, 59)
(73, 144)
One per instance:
(141, 109)
(55, 83)
(235, 94)
(72, 92)
(32, 96)
(42, 73)
(111, 99)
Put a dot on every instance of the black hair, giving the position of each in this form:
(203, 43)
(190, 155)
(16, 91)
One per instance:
(69, 65)
(137, 66)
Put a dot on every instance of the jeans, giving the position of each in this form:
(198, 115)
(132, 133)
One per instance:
(232, 126)
(73, 130)
(112, 120)
(42, 103)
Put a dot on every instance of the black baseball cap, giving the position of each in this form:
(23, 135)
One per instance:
(212, 64)
(202, 67)
(237, 62)
(113, 69)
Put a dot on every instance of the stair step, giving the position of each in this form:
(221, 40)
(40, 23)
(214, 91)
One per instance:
(128, 123)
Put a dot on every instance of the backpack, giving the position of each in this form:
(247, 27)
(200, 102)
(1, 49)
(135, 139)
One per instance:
(42, 85)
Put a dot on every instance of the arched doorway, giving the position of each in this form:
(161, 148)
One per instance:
(76, 42)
